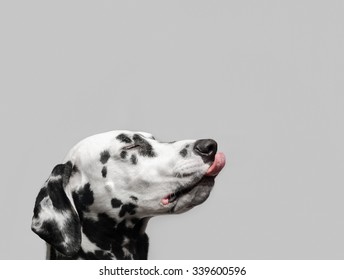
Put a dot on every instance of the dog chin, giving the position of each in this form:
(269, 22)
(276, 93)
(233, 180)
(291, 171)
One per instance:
(199, 193)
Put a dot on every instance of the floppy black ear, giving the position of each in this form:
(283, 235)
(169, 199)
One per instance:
(55, 219)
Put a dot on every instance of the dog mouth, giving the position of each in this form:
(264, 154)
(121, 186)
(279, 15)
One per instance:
(215, 168)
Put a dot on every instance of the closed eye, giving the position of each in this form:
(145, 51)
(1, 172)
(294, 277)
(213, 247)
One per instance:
(133, 146)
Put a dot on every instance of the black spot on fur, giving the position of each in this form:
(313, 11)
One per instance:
(123, 138)
(139, 242)
(142, 243)
(123, 154)
(100, 232)
(133, 159)
(104, 157)
(183, 152)
(104, 171)
(116, 203)
(134, 198)
(123, 230)
(86, 195)
(118, 251)
(145, 149)
(83, 198)
(57, 195)
(127, 208)
(75, 169)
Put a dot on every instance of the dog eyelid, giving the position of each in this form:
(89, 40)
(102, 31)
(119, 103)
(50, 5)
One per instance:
(133, 146)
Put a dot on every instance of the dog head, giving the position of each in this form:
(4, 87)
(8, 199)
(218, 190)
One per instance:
(123, 175)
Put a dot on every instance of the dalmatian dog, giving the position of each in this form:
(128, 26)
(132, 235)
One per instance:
(96, 205)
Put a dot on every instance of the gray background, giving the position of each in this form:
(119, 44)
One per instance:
(263, 78)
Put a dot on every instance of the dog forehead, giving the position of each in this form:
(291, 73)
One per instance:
(107, 141)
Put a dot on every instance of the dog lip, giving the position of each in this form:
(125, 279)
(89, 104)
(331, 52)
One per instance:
(174, 196)
(215, 168)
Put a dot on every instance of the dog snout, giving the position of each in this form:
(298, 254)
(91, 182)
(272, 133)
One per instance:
(206, 148)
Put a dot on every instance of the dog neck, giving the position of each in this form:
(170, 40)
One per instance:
(105, 238)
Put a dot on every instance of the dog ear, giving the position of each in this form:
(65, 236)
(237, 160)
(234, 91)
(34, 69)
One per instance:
(55, 219)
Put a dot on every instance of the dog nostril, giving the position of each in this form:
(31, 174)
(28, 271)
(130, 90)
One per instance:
(206, 148)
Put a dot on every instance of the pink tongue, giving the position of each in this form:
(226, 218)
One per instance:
(218, 164)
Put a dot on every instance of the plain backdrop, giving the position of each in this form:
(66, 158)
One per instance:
(263, 78)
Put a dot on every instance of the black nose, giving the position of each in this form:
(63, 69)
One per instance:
(206, 148)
